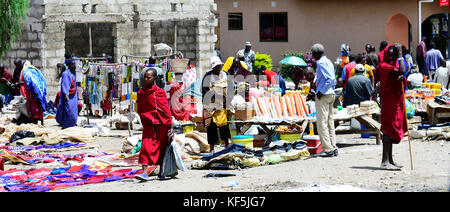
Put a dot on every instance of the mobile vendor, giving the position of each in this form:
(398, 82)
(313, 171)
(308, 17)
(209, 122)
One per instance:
(214, 112)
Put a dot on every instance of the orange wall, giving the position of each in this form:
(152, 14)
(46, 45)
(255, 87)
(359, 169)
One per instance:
(330, 22)
(397, 30)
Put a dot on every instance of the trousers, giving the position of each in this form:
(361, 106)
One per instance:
(325, 122)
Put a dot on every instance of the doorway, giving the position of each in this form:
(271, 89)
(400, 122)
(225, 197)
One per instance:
(435, 28)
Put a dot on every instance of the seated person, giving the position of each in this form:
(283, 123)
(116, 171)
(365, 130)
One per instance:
(269, 77)
(358, 89)
(415, 79)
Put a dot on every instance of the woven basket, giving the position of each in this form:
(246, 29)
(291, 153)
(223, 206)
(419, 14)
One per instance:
(179, 65)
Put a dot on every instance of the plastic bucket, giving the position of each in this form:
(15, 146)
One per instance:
(246, 140)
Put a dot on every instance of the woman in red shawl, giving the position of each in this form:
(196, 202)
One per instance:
(154, 111)
(393, 118)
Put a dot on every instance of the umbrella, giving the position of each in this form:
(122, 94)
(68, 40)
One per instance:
(294, 61)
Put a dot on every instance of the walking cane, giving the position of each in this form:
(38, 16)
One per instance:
(407, 127)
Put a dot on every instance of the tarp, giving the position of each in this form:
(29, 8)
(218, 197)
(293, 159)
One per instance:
(194, 89)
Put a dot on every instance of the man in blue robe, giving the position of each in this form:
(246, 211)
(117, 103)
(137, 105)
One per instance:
(67, 114)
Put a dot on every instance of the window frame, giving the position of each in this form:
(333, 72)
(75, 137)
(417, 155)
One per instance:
(241, 21)
(273, 25)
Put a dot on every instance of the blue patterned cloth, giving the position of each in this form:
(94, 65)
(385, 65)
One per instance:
(36, 84)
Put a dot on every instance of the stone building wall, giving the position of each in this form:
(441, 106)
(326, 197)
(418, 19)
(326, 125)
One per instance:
(29, 44)
(43, 41)
(186, 37)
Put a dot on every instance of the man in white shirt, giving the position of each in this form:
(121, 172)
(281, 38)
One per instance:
(249, 56)
(442, 75)
(415, 79)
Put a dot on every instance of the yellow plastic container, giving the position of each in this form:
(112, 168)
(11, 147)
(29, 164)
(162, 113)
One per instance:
(246, 140)
(187, 128)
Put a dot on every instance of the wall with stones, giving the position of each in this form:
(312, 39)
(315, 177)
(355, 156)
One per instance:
(44, 38)
(186, 37)
(29, 45)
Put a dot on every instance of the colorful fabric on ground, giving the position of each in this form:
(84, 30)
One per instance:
(41, 180)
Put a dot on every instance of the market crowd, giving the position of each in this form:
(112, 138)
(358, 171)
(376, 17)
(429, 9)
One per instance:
(365, 75)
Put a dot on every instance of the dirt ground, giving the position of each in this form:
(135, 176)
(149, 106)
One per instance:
(356, 169)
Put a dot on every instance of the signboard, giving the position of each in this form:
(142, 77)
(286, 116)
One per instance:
(443, 3)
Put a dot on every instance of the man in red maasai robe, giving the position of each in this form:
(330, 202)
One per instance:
(393, 116)
(154, 111)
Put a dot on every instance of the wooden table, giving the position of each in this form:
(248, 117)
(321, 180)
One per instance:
(437, 111)
(372, 126)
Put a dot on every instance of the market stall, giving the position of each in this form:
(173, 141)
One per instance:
(364, 117)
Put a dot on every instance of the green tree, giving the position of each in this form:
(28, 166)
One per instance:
(12, 19)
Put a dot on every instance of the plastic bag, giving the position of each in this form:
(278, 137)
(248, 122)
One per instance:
(409, 109)
(179, 160)
(137, 148)
(169, 165)
(274, 159)
(220, 118)
(20, 135)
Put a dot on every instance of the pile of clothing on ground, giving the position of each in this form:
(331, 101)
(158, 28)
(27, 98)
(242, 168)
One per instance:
(238, 156)
(432, 132)
(191, 145)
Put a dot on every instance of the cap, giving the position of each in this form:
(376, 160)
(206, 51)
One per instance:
(359, 68)
(248, 43)
(215, 61)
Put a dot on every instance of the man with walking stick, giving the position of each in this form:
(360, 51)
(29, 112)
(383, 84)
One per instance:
(394, 122)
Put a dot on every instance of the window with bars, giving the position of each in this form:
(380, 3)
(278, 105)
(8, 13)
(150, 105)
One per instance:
(234, 21)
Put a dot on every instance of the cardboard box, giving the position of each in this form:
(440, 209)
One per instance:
(244, 114)
(196, 118)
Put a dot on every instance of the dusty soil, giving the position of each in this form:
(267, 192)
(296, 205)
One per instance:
(355, 169)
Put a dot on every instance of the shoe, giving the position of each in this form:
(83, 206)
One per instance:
(142, 177)
(335, 152)
(325, 154)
